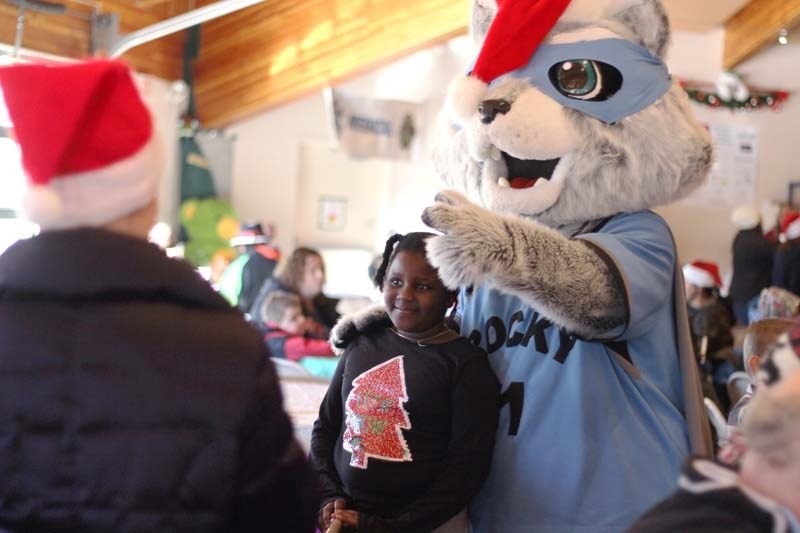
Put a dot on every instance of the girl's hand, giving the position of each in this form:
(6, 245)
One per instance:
(348, 517)
(325, 514)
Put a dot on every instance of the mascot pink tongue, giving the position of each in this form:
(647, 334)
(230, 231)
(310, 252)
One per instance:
(522, 183)
(565, 135)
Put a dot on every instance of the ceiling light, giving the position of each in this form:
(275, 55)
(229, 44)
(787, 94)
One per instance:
(783, 36)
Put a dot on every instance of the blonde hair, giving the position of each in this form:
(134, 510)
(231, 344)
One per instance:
(772, 426)
(276, 304)
(761, 336)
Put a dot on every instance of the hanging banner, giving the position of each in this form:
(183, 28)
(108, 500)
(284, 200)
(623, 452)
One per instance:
(366, 127)
(732, 180)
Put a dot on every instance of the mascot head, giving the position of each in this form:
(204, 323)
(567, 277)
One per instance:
(569, 114)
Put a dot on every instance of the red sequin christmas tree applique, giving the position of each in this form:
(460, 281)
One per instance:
(375, 416)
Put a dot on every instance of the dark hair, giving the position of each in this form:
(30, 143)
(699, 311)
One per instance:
(291, 272)
(411, 242)
(788, 244)
(710, 292)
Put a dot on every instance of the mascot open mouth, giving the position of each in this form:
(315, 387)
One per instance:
(527, 173)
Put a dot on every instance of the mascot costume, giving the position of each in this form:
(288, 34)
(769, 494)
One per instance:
(566, 130)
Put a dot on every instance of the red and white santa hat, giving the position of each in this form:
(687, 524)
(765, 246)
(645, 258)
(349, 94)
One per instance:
(89, 147)
(790, 225)
(518, 28)
(703, 274)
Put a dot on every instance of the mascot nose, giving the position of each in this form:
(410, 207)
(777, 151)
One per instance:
(489, 109)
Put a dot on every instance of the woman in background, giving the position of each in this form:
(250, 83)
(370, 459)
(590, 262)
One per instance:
(303, 274)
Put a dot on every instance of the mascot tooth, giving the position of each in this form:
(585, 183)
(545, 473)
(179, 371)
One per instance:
(565, 132)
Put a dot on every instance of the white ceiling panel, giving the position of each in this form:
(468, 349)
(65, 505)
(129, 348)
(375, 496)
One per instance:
(701, 15)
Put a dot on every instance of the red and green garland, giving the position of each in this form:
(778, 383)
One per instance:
(756, 99)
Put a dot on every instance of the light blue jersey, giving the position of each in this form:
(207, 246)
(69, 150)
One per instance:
(591, 433)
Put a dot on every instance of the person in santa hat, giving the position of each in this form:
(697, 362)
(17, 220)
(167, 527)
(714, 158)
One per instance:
(134, 397)
(786, 270)
(710, 323)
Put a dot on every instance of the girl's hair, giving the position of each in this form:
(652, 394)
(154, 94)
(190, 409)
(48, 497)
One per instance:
(411, 242)
(291, 272)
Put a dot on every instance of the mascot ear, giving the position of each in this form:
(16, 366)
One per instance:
(646, 18)
(483, 12)
(593, 9)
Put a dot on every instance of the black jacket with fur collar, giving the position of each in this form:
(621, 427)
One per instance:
(134, 398)
(711, 500)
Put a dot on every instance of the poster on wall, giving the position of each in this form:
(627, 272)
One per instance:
(332, 214)
(732, 180)
(369, 127)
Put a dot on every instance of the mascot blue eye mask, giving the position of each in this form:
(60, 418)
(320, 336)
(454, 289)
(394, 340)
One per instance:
(607, 79)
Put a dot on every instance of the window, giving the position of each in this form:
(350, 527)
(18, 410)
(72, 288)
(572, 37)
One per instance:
(12, 228)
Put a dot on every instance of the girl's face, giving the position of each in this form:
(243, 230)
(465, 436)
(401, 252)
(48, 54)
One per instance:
(313, 277)
(414, 295)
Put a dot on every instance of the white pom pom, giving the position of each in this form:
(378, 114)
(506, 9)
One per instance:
(464, 95)
(793, 230)
(43, 206)
(745, 218)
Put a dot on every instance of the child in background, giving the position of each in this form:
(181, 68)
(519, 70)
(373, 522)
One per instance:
(759, 339)
(774, 349)
(710, 325)
(405, 433)
(285, 329)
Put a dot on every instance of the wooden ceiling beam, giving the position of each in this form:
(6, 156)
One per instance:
(756, 25)
(69, 36)
(284, 49)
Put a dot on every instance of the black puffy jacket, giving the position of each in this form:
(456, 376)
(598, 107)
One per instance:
(134, 399)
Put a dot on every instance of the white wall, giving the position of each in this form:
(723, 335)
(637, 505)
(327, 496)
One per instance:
(706, 232)
(267, 167)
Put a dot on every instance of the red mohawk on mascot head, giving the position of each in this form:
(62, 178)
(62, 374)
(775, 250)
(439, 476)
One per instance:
(89, 147)
(519, 27)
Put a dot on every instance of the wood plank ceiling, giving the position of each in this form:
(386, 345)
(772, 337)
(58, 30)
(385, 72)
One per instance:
(757, 24)
(261, 56)
(276, 51)
(279, 50)
(67, 35)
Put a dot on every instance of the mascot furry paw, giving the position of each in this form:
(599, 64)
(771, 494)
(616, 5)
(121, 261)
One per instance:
(567, 129)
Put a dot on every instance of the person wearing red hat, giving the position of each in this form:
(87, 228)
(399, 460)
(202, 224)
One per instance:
(134, 397)
(710, 323)
(786, 269)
